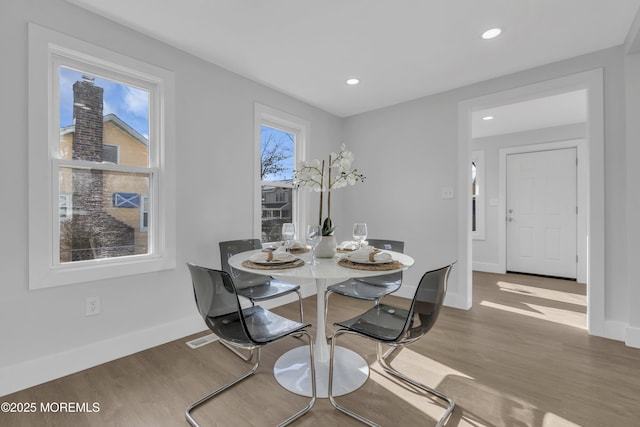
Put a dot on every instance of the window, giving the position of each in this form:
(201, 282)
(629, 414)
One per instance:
(65, 205)
(477, 195)
(96, 149)
(144, 213)
(280, 140)
(110, 153)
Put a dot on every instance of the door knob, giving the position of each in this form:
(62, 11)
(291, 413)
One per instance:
(509, 219)
(510, 211)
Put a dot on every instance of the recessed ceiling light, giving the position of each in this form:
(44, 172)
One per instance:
(353, 81)
(491, 33)
(487, 118)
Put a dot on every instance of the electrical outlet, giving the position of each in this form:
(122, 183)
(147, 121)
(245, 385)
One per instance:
(447, 192)
(93, 306)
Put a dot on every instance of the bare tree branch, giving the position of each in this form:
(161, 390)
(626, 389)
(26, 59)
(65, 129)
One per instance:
(273, 152)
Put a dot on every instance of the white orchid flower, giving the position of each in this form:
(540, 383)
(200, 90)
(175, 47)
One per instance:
(345, 164)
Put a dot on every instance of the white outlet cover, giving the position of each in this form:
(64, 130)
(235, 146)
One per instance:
(92, 306)
(447, 193)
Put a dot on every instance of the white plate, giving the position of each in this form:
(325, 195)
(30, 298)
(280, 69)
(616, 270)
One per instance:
(276, 261)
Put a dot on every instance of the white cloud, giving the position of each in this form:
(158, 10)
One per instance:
(137, 101)
(107, 108)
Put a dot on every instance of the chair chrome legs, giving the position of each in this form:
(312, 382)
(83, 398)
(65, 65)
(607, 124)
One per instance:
(381, 358)
(214, 393)
(383, 362)
(313, 386)
(228, 385)
(331, 398)
(326, 305)
(231, 347)
(300, 302)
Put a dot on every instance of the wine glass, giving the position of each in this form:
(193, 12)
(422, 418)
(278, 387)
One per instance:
(359, 232)
(314, 235)
(288, 233)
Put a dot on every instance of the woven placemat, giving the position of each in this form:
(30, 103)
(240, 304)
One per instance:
(293, 264)
(298, 251)
(394, 265)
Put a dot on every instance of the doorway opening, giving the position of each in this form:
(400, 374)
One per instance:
(591, 149)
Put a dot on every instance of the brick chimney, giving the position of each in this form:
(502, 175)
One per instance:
(87, 145)
(94, 233)
(87, 114)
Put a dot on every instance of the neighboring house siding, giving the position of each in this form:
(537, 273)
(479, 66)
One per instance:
(132, 152)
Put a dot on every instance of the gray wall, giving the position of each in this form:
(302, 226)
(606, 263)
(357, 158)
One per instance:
(633, 192)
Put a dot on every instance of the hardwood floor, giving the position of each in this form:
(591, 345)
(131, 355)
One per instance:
(520, 357)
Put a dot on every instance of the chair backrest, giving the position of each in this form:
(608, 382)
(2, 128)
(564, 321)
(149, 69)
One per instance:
(392, 279)
(426, 304)
(217, 300)
(241, 279)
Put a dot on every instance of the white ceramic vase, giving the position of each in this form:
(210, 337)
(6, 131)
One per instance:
(327, 247)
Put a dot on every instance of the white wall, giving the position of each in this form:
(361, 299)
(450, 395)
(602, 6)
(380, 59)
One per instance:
(485, 252)
(633, 194)
(408, 152)
(45, 332)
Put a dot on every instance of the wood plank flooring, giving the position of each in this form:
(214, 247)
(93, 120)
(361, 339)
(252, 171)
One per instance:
(520, 357)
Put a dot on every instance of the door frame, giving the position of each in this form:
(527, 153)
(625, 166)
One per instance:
(581, 198)
(592, 81)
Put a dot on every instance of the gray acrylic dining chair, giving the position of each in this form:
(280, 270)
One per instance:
(369, 288)
(248, 328)
(397, 327)
(254, 287)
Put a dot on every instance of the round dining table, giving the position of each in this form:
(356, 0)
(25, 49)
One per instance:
(292, 370)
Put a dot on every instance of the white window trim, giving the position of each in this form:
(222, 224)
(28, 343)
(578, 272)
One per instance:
(265, 115)
(44, 270)
(477, 156)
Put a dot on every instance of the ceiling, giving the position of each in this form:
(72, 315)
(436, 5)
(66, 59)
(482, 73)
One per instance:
(544, 112)
(400, 50)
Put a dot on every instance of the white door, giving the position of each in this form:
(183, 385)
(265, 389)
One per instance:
(542, 213)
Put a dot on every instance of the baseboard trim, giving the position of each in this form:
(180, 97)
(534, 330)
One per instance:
(488, 267)
(615, 330)
(37, 371)
(632, 337)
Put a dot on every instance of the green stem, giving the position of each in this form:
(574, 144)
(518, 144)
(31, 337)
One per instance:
(329, 191)
(321, 191)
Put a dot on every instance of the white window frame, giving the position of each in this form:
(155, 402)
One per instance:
(47, 51)
(268, 116)
(477, 156)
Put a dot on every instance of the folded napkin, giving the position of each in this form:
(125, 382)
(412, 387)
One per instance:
(348, 245)
(279, 255)
(369, 254)
(297, 245)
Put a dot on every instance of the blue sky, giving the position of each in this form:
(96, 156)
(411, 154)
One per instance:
(130, 104)
(268, 133)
